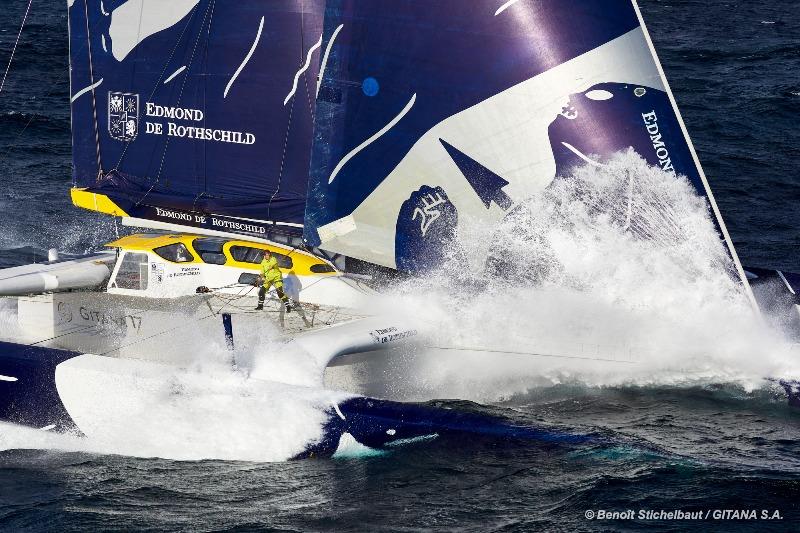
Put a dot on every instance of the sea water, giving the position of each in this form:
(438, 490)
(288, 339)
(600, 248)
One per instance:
(652, 346)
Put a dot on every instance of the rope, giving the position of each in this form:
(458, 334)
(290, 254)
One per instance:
(94, 99)
(14, 50)
(90, 326)
(52, 90)
(209, 10)
(510, 352)
(191, 323)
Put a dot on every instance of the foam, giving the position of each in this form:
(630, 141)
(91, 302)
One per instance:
(9, 325)
(619, 268)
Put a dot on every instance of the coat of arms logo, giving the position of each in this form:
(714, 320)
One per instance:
(123, 116)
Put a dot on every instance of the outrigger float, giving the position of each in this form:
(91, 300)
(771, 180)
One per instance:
(310, 130)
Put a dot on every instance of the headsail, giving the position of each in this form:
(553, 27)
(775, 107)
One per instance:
(432, 114)
(192, 111)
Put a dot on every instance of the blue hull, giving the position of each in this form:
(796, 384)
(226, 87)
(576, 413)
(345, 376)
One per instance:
(28, 394)
(29, 397)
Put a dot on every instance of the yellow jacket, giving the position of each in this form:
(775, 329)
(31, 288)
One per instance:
(270, 271)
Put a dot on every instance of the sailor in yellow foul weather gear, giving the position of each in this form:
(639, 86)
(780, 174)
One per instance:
(271, 276)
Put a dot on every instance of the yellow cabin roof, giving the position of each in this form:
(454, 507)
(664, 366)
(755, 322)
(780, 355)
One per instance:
(301, 261)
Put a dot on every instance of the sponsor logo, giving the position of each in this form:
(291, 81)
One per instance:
(382, 336)
(102, 318)
(651, 123)
(185, 271)
(427, 212)
(189, 131)
(208, 221)
(64, 312)
(157, 272)
(123, 116)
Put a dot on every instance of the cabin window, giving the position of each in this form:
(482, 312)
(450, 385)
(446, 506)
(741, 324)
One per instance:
(177, 253)
(132, 273)
(322, 268)
(248, 254)
(210, 250)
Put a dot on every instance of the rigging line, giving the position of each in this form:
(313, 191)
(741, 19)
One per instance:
(94, 98)
(161, 76)
(90, 326)
(283, 161)
(52, 90)
(14, 50)
(230, 301)
(511, 352)
(288, 124)
(205, 91)
(191, 323)
(209, 9)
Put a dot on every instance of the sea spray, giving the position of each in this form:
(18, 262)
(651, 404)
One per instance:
(257, 403)
(8, 318)
(142, 409)
(613, 275)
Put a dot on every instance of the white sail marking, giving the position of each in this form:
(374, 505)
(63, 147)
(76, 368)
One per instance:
(785, 282)
(103, 9)
(582, 156)
(599, 95)
(302, 69)
(172, 76)
(103, 39)
(48, 428)
(86, 90)
(505, 6)
(372, 139)
(133, 21)
(7, 378)
(338, 411)
(246, 59)
(325, 56)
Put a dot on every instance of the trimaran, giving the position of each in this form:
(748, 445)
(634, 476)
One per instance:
(341, 136)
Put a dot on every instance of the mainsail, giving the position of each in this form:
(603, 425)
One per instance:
(194, 112)
(431, 114)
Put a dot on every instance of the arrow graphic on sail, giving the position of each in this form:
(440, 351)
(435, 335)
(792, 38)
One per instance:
(487, 185)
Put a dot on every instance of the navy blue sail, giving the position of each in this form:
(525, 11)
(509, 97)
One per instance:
(194, 112)
(435, 115)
